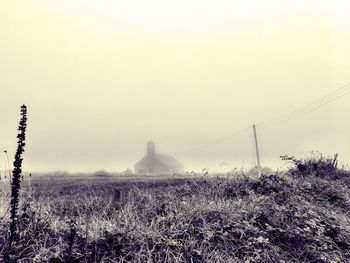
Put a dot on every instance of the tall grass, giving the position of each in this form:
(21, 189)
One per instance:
(276, 218)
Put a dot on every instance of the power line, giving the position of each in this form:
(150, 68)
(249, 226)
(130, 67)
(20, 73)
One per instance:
(214, 143)
(328, 98)
(308, 106)
(316, 104)
(308, 111)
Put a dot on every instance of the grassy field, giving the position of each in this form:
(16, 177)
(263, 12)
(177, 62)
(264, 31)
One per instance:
(277, 218)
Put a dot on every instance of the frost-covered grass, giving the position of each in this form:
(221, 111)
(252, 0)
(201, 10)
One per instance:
(277, 218)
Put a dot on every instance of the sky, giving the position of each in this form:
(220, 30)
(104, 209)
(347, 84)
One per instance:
(100, 78)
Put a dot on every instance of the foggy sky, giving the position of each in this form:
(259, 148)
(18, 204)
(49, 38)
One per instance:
(101, 78)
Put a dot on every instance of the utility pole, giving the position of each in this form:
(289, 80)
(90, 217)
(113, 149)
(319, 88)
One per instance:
(257, 150)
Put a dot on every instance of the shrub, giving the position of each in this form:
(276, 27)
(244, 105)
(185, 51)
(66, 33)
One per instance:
(314, 165)
(101, 173)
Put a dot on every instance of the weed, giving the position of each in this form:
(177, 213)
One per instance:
(16, 181)
(268, 219)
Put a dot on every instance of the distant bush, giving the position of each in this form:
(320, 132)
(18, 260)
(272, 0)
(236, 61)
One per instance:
(316, 165)
(127, 172)
(58, 173)
(101, 173)
(254, 171)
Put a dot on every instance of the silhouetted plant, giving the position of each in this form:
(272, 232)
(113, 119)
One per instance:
(318, 166)
(17, 170)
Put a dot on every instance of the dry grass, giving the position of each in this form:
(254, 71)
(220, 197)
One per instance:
(272, 219)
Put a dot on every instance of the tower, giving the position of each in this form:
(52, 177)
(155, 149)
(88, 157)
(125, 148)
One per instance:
(150, 148)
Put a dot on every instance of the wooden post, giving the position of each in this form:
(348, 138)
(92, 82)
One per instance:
(257, 150)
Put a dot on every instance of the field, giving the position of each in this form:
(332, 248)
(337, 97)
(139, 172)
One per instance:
(224, 218)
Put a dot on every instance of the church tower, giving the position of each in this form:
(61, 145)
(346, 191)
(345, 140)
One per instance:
(150, 148)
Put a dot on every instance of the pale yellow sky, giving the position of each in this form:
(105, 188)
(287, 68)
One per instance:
(101, 78)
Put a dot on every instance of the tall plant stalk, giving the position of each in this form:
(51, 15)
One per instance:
(17, 170)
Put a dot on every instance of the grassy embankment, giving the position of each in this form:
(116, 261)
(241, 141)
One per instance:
(277, 218)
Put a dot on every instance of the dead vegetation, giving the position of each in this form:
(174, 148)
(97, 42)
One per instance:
(277, 218)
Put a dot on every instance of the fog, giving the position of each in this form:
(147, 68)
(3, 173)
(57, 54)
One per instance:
(101, 78)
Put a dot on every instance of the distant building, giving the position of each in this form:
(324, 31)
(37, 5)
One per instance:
(154, 163)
